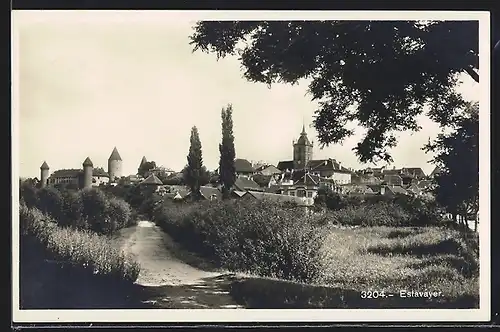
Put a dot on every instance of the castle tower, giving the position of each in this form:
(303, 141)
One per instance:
(88, 168)
(44, 174)
(302, 150)
(114, 165)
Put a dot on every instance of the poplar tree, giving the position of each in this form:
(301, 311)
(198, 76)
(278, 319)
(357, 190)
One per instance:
(194, 170)
(227, 171)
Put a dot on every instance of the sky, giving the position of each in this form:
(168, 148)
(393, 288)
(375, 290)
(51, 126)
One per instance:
(88, 83)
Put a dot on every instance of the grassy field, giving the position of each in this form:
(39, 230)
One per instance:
(378, 259)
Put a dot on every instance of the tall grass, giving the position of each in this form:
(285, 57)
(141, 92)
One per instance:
(76, 247)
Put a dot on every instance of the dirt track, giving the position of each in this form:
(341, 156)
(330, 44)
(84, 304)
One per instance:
(166, 280)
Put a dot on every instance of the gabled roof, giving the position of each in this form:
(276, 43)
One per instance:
(44, 166)
(243, 184)
(208, 192)
(115, 155)
(88, 162)
(152, 179)
(243, 166)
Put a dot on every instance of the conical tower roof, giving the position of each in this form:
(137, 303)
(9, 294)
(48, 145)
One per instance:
(143, 161)
(44, 166)
(88, 162)
(115, 155)
(152, 179)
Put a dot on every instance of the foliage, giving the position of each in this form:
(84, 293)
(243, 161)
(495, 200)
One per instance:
(227, 170)
(345, 61)
(261, 180)
(120, 212)
(78, 248)
(194, 170)
(145, 168)
(28, 193)
(254, 236)
(457, 154)
(50, 201)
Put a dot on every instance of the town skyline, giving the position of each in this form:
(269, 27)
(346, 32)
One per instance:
(135, 84)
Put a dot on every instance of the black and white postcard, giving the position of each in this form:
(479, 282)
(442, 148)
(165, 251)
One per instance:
(309, 166)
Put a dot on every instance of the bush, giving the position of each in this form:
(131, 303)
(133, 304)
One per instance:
(255, 236)
(121, 212)
(50, 201)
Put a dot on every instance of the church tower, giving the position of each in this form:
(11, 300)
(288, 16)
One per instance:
(114, 165)
(44, 174)
(302, 151)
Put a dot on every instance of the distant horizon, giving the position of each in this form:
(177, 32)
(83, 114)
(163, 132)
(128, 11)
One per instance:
(88, 83)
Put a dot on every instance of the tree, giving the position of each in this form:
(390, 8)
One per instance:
(144, 169)
(194, 171)
(28, 193)
(457, 154)
(227, 170)
(377, 74)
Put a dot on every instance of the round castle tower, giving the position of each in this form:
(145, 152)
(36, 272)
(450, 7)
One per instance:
(44, 174)
(88, 168)
(114, 165)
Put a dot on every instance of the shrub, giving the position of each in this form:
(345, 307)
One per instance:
(95, 211)
(121, 212)
(50, 201)
(254, 236)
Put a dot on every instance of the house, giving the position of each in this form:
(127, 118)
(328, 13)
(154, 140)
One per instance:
(244, 184)
(268, 170)
(243, 167)
(302, 160)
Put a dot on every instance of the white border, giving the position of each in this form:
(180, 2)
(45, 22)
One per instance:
(264, 315)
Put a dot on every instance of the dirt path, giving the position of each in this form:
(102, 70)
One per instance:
(166, 280)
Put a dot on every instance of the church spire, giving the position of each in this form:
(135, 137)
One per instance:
(303, 129)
